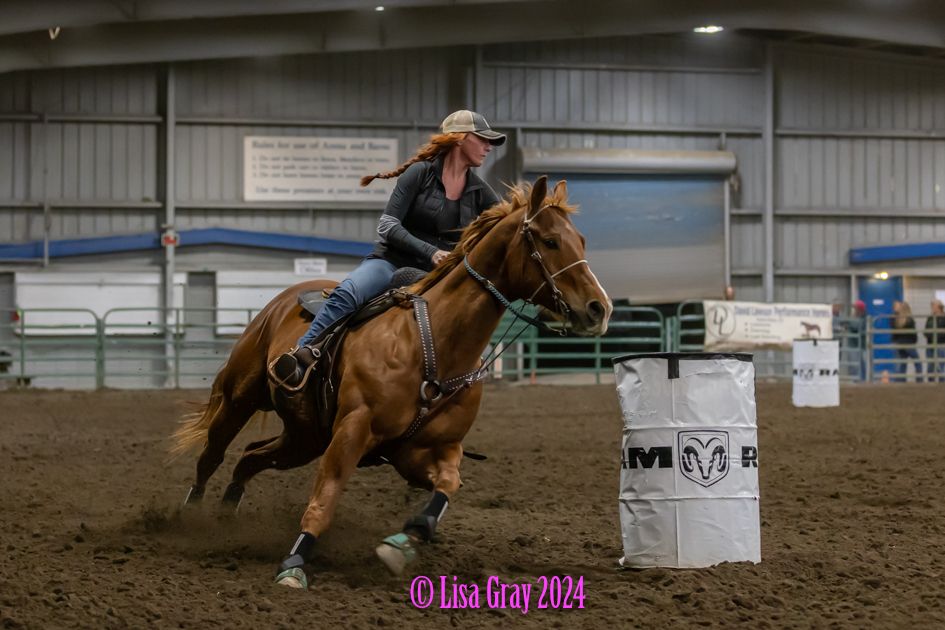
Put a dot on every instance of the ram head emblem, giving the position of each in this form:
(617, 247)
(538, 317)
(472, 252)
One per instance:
(703, 456)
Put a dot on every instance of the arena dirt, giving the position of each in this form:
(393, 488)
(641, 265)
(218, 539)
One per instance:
(91, 535)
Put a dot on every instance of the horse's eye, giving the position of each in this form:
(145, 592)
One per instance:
(550, 243)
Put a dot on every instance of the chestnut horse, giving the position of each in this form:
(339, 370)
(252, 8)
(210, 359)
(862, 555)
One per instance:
(523, 248)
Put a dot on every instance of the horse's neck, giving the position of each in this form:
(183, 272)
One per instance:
(463, 316)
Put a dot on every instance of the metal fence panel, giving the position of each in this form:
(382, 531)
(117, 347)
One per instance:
(904, 361)
(51, 355)
(187, 347)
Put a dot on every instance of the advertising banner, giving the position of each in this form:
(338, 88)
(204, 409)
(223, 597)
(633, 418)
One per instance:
(742, 326)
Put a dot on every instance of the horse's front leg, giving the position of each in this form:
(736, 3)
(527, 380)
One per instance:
(352, 440)
(440, 465)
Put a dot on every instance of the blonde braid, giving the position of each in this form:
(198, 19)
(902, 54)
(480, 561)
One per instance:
(439, 144)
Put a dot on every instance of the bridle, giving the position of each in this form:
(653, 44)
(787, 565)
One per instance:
(432, 390)
(560, 305)
(557, 296)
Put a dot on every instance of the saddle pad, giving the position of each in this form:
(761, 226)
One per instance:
(405, 276)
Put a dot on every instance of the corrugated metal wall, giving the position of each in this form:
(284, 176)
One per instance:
(645, 92)
(399, 95)
(97, 157)
(860, 161)
(857, 159)
(93, 159)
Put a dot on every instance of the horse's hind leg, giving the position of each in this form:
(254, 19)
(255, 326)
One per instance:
(282, 452)
(234, 491)
(438, 468)
(226, 419)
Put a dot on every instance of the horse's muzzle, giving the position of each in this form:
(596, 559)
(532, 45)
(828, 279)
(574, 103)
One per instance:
(591, 321)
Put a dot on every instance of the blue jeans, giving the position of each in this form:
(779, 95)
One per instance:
(367, 281)
(935, 368)
(909, 353)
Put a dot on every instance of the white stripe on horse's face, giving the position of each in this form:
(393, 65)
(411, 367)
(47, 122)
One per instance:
(601, 327)
(608, 303)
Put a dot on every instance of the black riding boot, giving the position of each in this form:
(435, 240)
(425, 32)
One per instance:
(291, 369)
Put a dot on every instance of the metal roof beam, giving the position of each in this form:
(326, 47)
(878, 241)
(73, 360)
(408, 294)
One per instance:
(419, 24)
(25, 16)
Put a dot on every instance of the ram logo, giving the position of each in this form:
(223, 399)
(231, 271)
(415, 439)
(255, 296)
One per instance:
(703, 456)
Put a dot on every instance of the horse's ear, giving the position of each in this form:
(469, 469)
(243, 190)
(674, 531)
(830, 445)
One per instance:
(539, 192)
(560, 193)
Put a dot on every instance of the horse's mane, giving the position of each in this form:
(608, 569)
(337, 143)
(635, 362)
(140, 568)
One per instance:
(516, 198)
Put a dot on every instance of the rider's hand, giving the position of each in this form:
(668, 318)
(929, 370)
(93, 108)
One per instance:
(439, 256)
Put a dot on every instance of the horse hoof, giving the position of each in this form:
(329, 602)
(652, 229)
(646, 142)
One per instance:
(233, 496)
(396, 552)
(392, 558)
(293, 578)
(194, 495)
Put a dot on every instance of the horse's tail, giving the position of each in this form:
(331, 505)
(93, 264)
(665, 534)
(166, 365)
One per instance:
(194, 426)
(192, 432)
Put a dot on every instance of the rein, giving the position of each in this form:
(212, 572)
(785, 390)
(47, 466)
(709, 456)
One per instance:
(432, 390)
(504, 301)
(561, 305)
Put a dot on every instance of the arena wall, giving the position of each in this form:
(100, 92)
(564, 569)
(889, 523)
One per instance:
(855, 138)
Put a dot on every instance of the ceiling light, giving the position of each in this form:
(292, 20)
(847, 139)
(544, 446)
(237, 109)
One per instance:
(379, 7)
(708, 29)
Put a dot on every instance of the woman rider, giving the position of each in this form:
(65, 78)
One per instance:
(437, 194)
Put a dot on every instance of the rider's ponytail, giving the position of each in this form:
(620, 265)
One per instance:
(439, 144)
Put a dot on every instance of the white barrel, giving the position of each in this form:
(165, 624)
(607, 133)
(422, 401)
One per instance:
(816, 373)
(689, 461)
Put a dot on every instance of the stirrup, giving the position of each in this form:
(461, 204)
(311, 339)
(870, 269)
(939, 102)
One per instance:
(282, 382)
